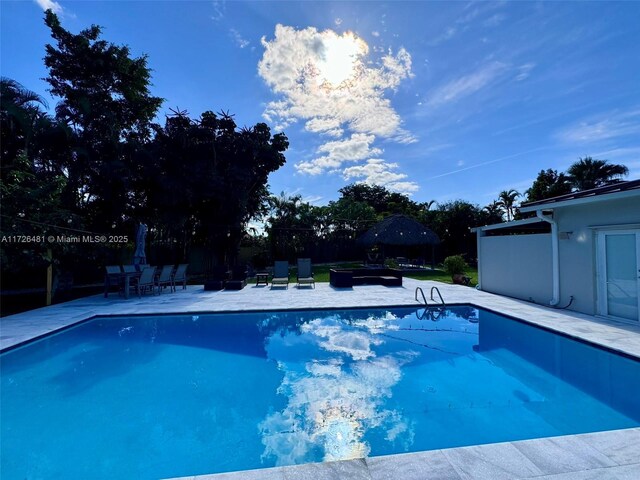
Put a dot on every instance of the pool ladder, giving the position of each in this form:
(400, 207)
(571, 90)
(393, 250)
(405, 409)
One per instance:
(430, 313)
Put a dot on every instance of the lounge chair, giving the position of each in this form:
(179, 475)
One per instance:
(129, 269)
(280, 274)
(165, 278)
(305, 274)
(180, 276)
(146, 279)
(238, 278)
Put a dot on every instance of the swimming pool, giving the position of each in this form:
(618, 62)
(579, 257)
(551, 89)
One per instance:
(177, 395)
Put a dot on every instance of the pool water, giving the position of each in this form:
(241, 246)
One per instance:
(166, 396)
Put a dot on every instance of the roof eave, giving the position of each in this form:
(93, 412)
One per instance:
(515, 223)
(582, 201)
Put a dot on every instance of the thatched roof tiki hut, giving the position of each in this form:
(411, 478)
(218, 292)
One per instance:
(400, 230)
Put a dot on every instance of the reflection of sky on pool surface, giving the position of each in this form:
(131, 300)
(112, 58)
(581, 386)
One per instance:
(337, 396)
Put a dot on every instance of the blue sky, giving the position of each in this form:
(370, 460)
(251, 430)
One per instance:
(443, 101)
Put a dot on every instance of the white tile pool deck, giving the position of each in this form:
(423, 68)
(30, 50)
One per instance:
(603, 455)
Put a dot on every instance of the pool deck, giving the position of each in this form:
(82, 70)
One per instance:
(604, 455)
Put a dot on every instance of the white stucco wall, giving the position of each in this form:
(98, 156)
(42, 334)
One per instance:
(518, 266)
(578, 252)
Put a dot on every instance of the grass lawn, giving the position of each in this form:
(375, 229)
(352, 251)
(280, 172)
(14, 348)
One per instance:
(441, 276)
(321, 273)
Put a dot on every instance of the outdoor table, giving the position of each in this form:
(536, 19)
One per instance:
(262, 277)
(124, 276)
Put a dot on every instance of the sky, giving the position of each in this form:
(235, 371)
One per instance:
(438, 100)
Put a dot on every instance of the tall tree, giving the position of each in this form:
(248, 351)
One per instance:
(589, 173)
(382, 200)
(31, 181)
(104, 96)
(293, 225)
(349, 216)
(453, 221)
(507, 199)
(21, 114)
(203, 180)
(492, 213)
(548, 184)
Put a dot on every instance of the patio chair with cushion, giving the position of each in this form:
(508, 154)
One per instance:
(180, 276)
(305, 273)
(165, 278)
(144, 281)
(280, 274)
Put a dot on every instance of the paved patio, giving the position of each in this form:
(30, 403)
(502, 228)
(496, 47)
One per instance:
(604, 455)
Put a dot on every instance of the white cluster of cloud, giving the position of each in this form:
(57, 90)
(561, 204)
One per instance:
(335, 153)
(332, 402)
(326, 80)
(55, 7)
(379, 172)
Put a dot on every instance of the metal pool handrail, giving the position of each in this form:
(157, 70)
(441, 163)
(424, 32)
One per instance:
(419, 289)
(439, 295)
(429, 312)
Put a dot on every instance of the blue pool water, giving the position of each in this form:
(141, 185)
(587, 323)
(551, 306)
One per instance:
(164, 396)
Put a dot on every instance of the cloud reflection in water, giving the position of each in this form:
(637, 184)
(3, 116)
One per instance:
(335, 399)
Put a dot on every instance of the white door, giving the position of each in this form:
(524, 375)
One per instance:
(619, 255)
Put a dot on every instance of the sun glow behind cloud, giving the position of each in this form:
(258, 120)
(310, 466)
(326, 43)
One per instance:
(340, 59)
(328, 81)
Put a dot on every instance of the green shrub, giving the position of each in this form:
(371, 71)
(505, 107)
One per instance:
(391, 263)
(455, 265)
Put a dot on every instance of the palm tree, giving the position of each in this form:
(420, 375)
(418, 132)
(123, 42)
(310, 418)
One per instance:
(507, 200)
(589, 173)
(493, 212)
(14, 93)
(284, 208)
(20, 111)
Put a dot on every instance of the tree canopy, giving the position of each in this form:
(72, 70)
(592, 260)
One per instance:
(584, 174)
(105, 100)
(383, 201)
(31, 179)
(549, 183)
(589, 173)
(203, 180)
(101, 164)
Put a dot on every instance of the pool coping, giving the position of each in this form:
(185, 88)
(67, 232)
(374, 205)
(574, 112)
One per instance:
(612, 454)
(490, 461)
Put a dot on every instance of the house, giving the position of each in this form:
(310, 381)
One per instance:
(579, 251)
